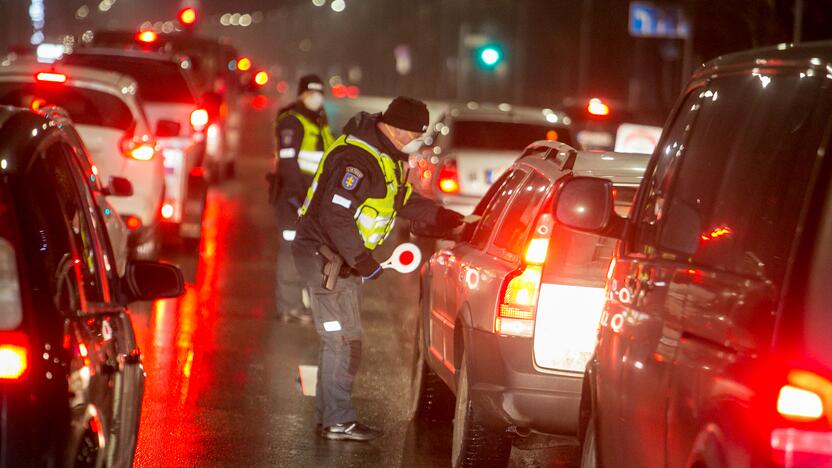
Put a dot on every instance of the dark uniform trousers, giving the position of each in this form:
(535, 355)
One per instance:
(338, 323)
(289, 285)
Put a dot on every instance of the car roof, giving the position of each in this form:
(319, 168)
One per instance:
(122, 84)
(814, 55)
(20, 130)
(505, 113)
(553, 158)
(128, 53)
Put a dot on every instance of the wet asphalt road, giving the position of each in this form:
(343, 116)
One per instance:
(221, 370)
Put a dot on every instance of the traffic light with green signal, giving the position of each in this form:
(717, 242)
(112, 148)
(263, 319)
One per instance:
(489, 56)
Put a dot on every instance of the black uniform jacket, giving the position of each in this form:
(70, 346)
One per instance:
(350, 176)
(288, 135)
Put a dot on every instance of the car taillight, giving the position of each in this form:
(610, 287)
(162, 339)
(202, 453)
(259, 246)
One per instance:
(520, 291)
(199, 119)
(51, 77)
(805, 403)
(133, 222)
(798, 404)
(139, 148)
(167, 211)
(14, 355)
(449, 177)
(146, 37)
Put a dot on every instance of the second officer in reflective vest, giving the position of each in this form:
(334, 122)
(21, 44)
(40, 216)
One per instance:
(359, 190)
(301, 135)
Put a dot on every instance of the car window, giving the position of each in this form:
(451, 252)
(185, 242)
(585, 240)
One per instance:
(61, 257)
(495, 206)
(504, 136)
(85, 106)
(582, 259)
(79, 216)
(735, 204)
(521, 213)
(88, 185)
(159, 80)
(657, 180)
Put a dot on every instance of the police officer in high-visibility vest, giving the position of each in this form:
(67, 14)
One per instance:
(301, 135)
(359, 190)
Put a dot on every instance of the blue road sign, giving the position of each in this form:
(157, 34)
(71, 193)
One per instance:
(650, 20)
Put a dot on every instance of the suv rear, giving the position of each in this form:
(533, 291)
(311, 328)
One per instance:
(171, 104)
(509, 313)
(714, 344)
(107, 113)
(472, 145)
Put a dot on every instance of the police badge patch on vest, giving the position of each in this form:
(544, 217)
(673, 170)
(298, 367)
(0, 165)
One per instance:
(352, 177)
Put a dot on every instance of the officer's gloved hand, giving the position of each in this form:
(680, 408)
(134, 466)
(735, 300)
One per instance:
(368, 267)
(448, 220)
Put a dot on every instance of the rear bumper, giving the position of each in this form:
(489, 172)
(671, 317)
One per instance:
(509, 390)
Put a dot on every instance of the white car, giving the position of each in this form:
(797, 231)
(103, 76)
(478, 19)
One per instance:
(107, 112)
(179, 123)
(472, 145)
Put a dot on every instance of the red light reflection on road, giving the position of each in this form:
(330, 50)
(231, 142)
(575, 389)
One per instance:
(177, 342)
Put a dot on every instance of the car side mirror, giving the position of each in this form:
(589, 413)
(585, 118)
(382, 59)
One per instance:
(586, 204)
(119, 187)
(149, 280)
(167, 128)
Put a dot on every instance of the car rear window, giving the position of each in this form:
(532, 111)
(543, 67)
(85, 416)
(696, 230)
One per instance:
(159, 80)
(583, 259)
(504, 136)
(85, 106)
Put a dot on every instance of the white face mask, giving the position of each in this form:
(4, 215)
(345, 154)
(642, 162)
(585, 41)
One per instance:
(413, 146)
(314, 102)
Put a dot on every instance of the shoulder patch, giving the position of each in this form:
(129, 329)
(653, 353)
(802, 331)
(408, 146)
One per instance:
(352, 177)
(288, 136)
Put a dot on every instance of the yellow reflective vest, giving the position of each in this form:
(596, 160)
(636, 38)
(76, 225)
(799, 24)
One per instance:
(310, 152)
(375, 217)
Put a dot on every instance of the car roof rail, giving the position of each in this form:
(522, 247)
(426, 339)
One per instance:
(562, 154)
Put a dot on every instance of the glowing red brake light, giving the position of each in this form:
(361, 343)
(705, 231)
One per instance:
(167, 211)
(133, 222)
(14, 355)
(449, 177)
(143, 152)
(798, 404)
(51, 77)
(147, 37)
(138, 148)
(261, 78)
(520, 291)
(199, 119)
(187, 16)
(597, 107)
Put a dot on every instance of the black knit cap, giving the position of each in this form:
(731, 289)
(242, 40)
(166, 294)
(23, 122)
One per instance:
(310, 83)
(407, 114)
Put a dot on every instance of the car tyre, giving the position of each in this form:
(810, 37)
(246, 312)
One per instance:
(474, 445)
(589, 448)
(431, 399)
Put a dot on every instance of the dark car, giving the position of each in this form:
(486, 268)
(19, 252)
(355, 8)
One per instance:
(509, 314)
(71, 377)
(715, 343)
